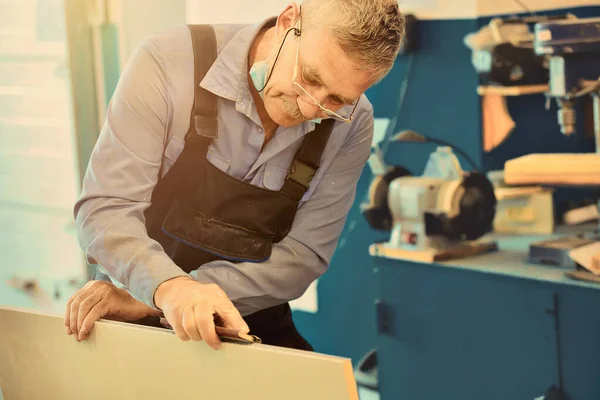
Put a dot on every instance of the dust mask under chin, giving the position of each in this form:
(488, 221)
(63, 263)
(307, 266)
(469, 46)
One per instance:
(258, 74)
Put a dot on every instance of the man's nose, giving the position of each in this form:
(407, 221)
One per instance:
(309, 109)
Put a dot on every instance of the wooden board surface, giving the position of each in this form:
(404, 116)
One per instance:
(554, 169)
(124, 361)
(512, 90)
(430, 256)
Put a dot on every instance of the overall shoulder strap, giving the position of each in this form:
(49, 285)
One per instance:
(307, 160)
(204, 111)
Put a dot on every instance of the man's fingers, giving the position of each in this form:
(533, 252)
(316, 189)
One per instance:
(175, 319)
(85, 306)
(231, 316)
(206, 326)
(165, 323)
(98, 311)
(73, 314)
(68, 316)
(188, 321)
(221, 322)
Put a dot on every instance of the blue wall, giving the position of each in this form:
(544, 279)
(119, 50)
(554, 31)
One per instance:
(436, 106)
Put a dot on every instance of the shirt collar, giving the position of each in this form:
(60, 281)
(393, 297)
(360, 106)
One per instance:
(228, 76)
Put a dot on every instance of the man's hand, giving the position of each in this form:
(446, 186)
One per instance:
(100, 299)
(190, 307)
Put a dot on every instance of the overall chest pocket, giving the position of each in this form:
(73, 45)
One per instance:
(274, 177)
(218, 160)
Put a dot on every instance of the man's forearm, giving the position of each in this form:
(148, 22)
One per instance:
(289, 271)
(123, 247)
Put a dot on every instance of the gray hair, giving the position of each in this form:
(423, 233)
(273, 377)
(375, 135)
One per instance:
(370, 32)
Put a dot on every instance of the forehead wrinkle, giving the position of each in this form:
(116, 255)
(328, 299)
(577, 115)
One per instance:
(313, 73)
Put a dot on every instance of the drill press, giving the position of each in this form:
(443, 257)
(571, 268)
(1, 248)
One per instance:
(573, 50)
(572, 47)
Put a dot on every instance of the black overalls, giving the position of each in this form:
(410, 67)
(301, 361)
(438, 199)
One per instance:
(200, 214)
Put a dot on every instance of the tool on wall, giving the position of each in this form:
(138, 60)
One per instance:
(573, 50)
(439, 215)
(572, 47)
(503, 56)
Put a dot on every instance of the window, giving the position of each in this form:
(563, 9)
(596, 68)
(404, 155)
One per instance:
(39, 178)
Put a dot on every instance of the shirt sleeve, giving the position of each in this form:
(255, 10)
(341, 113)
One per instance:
(306, 252)
(123, 169)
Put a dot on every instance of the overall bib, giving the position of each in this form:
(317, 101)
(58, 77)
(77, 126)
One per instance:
(200, 214)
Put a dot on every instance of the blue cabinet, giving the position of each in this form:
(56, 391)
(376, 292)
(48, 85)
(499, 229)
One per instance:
(485, 330)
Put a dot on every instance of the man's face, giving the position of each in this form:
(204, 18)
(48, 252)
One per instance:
(324, 71)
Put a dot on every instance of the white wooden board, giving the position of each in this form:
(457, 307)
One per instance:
(124, 361)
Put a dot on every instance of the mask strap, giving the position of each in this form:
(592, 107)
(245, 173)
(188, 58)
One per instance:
(296, 33)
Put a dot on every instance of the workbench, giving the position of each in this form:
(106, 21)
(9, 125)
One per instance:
(490, 327)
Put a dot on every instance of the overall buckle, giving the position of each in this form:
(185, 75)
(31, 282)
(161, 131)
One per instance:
(301, 173)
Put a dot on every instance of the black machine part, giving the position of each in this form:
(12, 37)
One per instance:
(476, 212)
(376, 210)
(365, 373)
(514, 66)
(410, 42)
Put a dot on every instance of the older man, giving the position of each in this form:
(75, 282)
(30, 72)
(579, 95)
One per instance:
(227, 165)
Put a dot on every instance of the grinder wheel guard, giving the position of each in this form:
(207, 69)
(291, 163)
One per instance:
(477, 210)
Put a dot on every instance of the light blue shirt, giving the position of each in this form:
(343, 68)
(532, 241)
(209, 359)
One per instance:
(142, 137)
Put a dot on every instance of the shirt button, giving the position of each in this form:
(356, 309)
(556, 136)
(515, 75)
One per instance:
(260, 130)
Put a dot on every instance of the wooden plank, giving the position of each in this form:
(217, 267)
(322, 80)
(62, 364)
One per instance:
(467, 249)
(512, 90)
(124, 361)
(554, 169)
(503, 193)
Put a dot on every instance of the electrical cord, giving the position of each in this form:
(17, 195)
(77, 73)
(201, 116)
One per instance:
(458, 150)
(412, 136)
(403, 89)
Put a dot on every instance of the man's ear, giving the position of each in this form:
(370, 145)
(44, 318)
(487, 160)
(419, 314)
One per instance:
(287, 19)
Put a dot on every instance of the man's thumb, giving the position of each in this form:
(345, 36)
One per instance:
(231, 317)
